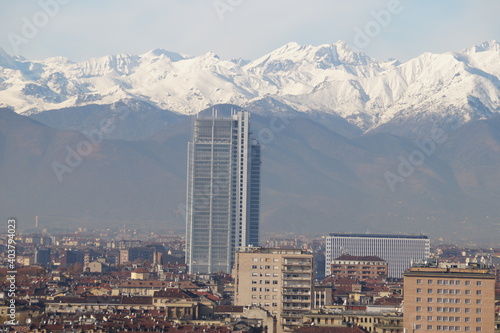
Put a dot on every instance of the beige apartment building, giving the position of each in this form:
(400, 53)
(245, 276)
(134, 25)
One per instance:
(454, 298)
(279, 280)
(360, 267)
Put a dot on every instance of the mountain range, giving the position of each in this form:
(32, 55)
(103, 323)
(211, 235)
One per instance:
(332, 79)
(350, 143)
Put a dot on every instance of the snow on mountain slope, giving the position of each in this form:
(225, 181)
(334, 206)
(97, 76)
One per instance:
(330, 78)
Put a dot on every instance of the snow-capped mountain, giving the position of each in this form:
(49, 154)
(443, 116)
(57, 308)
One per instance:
(330, 78)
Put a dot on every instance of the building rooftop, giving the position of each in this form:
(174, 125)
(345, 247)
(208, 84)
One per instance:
(273, 250)
(358, 258)
(470, 272)
(378, 236)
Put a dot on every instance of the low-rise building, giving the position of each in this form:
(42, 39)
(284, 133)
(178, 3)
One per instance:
(359, 267)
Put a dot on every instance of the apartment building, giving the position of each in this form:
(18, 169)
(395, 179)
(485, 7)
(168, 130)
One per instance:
(359, 267)
(449, 298)
(279, 280)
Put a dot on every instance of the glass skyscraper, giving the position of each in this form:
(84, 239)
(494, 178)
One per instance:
(223, 192)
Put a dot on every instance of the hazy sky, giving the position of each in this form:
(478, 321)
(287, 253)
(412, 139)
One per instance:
(80, 29)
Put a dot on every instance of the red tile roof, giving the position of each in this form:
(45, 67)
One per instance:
(358, 258)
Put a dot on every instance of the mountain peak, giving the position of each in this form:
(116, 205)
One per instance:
(6, 59)
(491, 45)
(325, 56)
(168, 54)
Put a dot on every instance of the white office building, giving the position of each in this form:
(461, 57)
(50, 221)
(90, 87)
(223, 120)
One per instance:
(398, 250)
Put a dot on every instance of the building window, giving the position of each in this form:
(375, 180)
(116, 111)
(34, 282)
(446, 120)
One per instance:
(478, 329)
(429, 309)
(429, 318)
(429, 327)
(429, 281)
(467, 283)
(478, 292)
(479, 283)
(429, 291)
(419, 308)
(478, 311)
(478, 320)
(419, 290)
(429, 300)
(419, 299)
(419, 318)
(419, 281)
(418, 327)
(478, 301)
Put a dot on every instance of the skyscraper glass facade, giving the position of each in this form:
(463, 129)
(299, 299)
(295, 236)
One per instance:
(223, 192)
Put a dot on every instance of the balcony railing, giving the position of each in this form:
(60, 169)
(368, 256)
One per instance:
(292, 315)
(297, 278)
(286, 292)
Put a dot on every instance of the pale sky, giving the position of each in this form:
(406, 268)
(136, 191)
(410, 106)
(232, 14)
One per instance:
(80, 29)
